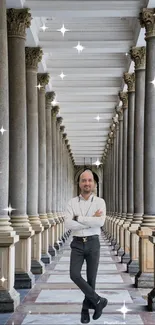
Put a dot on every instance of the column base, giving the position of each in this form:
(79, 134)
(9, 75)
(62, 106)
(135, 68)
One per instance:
(52, 251)
(60, 242)
(46, 258)
(113, 242)
(120, 251)
(63, 239)
(133, 267)
(24, 280)
(125, 258)
(37, 267)
(116, 247)
(57, 246)
(9, 301)
(151, 300)
(144, 280)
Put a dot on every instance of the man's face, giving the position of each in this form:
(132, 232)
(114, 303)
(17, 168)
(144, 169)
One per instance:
(86, 183)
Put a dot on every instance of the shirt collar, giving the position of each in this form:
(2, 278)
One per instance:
(90, 197)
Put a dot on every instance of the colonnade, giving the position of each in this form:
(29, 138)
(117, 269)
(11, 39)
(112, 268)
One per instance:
(129, 166)
(36, 163)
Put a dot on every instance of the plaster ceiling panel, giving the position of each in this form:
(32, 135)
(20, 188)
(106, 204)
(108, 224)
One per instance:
(106, 29)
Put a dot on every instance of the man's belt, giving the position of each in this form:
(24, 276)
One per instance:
(86, 238)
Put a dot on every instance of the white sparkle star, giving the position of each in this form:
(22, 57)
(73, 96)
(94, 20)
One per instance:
(63, 30)
(9, 209)
(43, 27)
(3, 279)
(39, 86)
(153, 82)
(2, 130)
(62, 75)
(124, 310)
(126, 53)
(97, 163)
(13, 323)
(79, 47)
(97, 118)
(54, 102)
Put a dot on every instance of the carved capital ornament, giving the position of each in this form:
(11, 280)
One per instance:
(17, 22)
(129, 79)
(124, 98)
(33, 55)
(138, 55)
(119, 111)
(50, 95)
(43, 79)
(147, 20)
(55, 111)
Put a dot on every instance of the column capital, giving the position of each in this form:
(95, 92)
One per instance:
(111, 133)
(17, 22)
(55, 111)
(119, 111)
(115, 120)
(138, 55)
(33, 55)
(50, 95)
(123, 95)
(112, 127)
(129, 79)
(147, 20)
(43, 79)
(62, 128)
(59, 120)
(64, 136)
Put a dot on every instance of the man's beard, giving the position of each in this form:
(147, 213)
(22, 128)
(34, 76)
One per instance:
(87, 191)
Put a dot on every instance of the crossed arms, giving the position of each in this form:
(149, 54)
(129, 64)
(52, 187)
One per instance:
(97, 220)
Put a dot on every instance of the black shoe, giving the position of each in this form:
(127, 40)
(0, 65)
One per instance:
(99, 307)
(85, 318)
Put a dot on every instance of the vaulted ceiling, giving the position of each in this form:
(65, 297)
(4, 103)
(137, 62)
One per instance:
(107, 30)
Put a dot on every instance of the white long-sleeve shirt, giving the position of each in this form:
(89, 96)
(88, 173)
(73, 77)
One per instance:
(87, 225)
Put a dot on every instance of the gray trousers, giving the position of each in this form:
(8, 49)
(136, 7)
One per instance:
(90, 252)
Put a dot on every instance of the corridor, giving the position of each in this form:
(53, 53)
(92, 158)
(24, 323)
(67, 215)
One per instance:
(55, 300)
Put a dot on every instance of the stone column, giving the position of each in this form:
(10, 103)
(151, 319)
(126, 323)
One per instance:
(138, 56)
(33, 56)
(110, 180)
(64, 171)
(130, 81)
(119, 111)
(113, 129)
(61, 180)
(113, 242)
(58, 123)
(62, 128)
(8, 237)
(18, 21)
(124, 98)
(43, 79)
(147, 20)
(49, 97)
(55, 111)
(66, 174)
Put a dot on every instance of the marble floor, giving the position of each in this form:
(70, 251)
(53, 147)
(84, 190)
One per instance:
(56, 300)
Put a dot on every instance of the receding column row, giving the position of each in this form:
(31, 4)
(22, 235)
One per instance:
(133, 237)
(31, 164)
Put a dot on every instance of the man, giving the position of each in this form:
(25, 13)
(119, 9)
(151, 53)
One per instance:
(85, 215)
